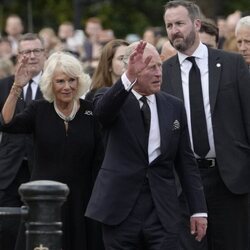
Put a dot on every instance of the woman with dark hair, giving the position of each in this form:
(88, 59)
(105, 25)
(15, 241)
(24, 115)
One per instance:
(110, 66)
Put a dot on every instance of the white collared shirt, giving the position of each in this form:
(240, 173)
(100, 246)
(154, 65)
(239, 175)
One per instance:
(34, 86)
(201, 58)
(154, 144)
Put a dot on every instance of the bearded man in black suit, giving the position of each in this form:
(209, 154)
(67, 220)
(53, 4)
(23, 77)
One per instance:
(221, 138)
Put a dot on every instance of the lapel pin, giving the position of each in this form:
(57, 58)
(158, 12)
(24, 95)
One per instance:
(176, 125)
(218, 65)
(88, 112)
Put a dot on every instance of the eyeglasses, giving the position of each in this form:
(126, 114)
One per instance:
(36, 52)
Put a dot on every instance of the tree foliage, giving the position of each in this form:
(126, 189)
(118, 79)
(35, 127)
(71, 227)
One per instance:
(123, 16)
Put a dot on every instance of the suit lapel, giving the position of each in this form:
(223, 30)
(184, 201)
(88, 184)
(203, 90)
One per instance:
(39, 94)
(214, 67)
(165, 114)
(175, 73)
(133, 115)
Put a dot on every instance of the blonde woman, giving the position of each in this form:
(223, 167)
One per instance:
(66, 138)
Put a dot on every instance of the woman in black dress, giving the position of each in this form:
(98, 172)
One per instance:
(67, 142)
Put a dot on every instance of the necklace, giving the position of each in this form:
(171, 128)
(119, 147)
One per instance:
(72, 114)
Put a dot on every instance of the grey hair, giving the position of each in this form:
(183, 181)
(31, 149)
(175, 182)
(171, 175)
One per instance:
(69, 65)
(244, 21)
(30, 37)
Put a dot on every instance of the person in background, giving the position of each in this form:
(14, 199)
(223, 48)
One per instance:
(67, 144)
(167, 51)
(6, 49)
(6, 68)
(92, 46)
(221, 24)
(154, 36)
(16, 150)
(242, 33)
(145, 131)
(70, 39)
(220, 138)
(150, 36)
(14, 29)
(51, 41)
(209, 34)
(106, 36)
(230, 39)
(110, 67)
(132, 37)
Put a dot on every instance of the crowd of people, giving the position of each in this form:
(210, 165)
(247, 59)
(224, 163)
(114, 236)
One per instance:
(151, 134)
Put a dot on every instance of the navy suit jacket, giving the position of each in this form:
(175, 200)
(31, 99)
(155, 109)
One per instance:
(13, 147)
(229, 95)
(125, 165)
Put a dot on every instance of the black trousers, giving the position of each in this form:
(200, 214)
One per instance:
(10, 198)
(142, 229)
(227, 217)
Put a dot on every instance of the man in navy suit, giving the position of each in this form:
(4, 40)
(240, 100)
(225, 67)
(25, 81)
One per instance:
(225, 92)
(135, 195)
(16, 149)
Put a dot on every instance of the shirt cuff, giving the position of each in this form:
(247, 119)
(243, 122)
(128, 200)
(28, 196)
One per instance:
(126, 83)
(199, 215)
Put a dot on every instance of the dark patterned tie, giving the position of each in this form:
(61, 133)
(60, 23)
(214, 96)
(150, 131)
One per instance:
(146, 116)
(198, 117)
(28, 97)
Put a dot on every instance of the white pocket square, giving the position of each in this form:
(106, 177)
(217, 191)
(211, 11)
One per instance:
(88, 112)
(176, 125)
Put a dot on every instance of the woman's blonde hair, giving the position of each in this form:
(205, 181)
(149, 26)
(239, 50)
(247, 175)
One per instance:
(69, 65)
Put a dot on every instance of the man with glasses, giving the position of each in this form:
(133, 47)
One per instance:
(16, 150)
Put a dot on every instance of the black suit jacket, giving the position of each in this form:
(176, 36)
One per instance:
(126, 166)
(13, 147)
(229, 94)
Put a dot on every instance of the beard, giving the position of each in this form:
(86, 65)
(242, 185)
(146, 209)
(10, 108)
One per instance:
(183, 44)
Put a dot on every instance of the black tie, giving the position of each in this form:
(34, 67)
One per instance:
(28, 97)
(146, 116)
(198, 117)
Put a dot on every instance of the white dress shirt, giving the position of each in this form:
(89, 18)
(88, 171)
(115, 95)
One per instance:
(201, 58)
(34, 86)
(154, 133)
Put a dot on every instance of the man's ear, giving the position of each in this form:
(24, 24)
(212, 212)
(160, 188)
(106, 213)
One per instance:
(197, 24)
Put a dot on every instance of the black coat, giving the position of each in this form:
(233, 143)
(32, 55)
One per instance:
(71, 157)
(229, 95)
(126, 166)
(13, 148)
